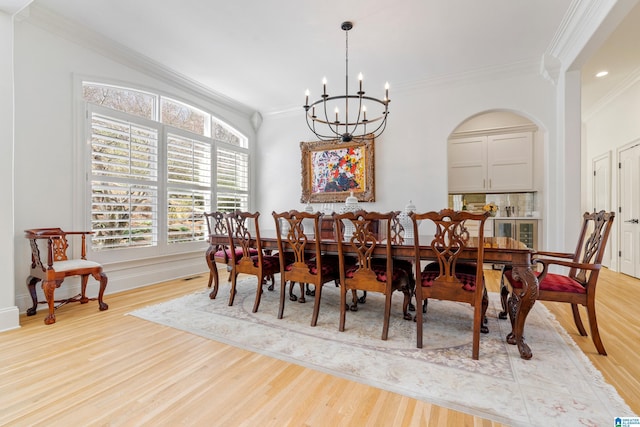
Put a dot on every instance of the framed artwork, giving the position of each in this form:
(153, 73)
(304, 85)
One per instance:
(331, 170)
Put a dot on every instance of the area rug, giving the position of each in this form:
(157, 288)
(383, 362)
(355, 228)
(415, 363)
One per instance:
(558, 387)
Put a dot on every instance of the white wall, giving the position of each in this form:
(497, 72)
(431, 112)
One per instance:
(8, 309)
(612, 127)
(411, 155)
(47, 122)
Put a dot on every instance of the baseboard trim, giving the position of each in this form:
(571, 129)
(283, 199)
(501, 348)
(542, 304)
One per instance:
(9, 318)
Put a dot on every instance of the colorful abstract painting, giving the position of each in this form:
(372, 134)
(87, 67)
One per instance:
(332, 169)
(338, 170)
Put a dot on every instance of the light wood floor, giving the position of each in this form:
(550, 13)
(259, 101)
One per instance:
(106, 368)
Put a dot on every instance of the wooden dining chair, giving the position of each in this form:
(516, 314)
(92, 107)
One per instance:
(301, 259)
(218, 253)
(397, 238)
(577, 286)
(58, 265)
(451, 277)
(241, 240)
(368, 273)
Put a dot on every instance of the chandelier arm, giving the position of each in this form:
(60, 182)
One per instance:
(320, 135)
(327, 122)
(381, 127)
(339, 97)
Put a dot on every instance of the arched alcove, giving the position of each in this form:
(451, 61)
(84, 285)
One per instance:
(498, 157)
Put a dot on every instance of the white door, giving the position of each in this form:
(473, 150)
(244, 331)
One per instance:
(629, 179)
(602, 193)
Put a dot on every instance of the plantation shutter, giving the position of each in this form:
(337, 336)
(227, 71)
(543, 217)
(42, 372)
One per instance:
(232, 169)
(124, 182)
(189, 187)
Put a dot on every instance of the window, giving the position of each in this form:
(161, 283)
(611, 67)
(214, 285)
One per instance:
(153, 173)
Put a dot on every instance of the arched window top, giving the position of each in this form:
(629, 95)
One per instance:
(162, 109)
(131, 101)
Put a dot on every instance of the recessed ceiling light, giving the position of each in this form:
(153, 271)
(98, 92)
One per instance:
(602, 73)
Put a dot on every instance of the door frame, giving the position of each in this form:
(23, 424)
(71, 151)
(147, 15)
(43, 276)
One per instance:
(609, 260)
(618, 223)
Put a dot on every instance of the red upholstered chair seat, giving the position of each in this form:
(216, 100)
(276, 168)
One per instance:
(465, 272)
(270, 263)
(380, 269)
(221, 254)
(328, 267)
(551, 282)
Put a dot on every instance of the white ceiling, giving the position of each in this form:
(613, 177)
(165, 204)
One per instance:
(619, 55)
(264, 54)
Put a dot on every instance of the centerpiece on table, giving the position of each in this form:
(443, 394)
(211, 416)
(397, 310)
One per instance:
(491, 208)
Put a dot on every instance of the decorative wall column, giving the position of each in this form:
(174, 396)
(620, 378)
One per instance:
(9, 316)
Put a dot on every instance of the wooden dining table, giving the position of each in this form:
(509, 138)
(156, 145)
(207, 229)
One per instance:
(497, 250)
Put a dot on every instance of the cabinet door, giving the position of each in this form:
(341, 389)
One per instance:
(467, 164)
(509, 162)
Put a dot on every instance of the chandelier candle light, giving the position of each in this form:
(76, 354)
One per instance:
(346, 130)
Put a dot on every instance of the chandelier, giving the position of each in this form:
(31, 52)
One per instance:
(327, 122)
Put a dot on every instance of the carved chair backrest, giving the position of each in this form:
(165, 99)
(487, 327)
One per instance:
(239, 227)
(217, 226)
(592, 242)
(369, 232)
(397, 229)
(57, 245)
(451, 238)
(216, 223)
(295, 230)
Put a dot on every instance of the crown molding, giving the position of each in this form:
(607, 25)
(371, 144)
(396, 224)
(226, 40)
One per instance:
(474, 76)
(578, 25)
(85, 37)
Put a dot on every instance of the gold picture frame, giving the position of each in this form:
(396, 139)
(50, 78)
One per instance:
(331, 170)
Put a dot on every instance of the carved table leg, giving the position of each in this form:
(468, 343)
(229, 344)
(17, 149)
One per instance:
(31, 284)
(520, 303)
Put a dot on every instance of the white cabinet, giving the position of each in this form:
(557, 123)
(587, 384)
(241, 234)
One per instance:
(491, 163)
